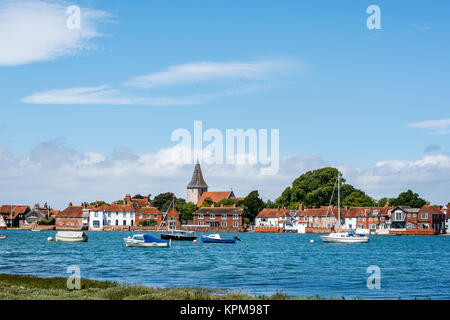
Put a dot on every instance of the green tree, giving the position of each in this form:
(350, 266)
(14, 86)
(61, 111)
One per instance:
(409, 198)
(207, 202)
(186, 210)
(382, 202)
(253, 204)
(163, 201)
(138, 196)
(226, 202)
(358, 199)
(100, 203)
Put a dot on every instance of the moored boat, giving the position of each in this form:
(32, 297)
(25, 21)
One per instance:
(179, 236)
(71, 236)
(342, 237)
(216, 238)
(146, 241)
(2, 237)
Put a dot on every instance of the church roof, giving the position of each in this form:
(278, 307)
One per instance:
(197, 180)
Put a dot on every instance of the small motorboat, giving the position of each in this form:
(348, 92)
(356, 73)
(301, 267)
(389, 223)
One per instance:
(2, 237)
(71, 236)
(215, 238)
(179, 236)
(146, 241)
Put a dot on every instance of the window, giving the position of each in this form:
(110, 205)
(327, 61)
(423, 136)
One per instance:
(224, 216)
(398, 215)
(117, 222)
(424, 216)
(200, 223)
(96, 214)
(235, 216)
(109, 222)
(415, 215)
(370, 219)
(375, 219)
(409, 215)
(224, 224)
(375, 211)
(381, 218)
(96, 224)
(200, 216)
(364, 219)
(140, 216)
(426, 226)
(212, 216)
(155, 216)
(235, 224)
(409, 226)
(373, 226)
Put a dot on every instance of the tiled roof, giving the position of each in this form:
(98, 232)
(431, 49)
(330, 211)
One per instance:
(215, 196)
(15, 210)
(146, 210)
(72, 211)
(273, 213)
(366, 211)
(430, 210)
(323, 211)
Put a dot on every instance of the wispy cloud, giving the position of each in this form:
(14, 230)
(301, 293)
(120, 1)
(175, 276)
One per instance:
(246, 78)
(213, 71)
(441, 126)
(36, 30)
(420, 26)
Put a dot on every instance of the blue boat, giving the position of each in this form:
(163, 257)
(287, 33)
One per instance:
(215, 238)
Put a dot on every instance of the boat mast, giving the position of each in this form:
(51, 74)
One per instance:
(339, 201)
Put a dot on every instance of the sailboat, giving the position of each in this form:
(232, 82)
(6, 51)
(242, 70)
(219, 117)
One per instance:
(343, 237)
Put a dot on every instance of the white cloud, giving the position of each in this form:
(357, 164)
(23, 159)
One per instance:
(441, 126)
(248, 77)
(213, 71)
(36, 30)
(57, 175)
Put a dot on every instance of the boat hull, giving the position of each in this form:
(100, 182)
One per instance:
(68, 239)
(139, 244)
(2, 237)
(345, 239)
(177, 237)
(210, 240)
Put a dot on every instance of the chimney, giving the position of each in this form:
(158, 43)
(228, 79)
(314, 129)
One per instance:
(70, 204)
(45, 205)
(96, 203)
(387, 204)
(212, 205)
(36, 205)
(300, 207)
(234, 205)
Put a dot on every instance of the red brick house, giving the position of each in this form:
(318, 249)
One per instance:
(219, 219)
(72, 218)
(148, 213)
(13, 215)
(319, 220)
(138, 203)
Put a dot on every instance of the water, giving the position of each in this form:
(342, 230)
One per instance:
(411, 266)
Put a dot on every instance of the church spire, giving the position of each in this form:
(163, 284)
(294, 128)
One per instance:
(197, 180)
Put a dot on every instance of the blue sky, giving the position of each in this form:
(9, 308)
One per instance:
(335, 89)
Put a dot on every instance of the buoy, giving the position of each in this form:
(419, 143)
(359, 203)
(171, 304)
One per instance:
(49, 239)
(312, 241)
(195, 241)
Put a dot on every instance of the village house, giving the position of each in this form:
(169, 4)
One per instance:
(319, 220)
(219, 219)
(13, 215)
(72, 218)
(37, 214)
(271, 220)
(147, 214)
(136, 202)
(367, 220)
(427, 220)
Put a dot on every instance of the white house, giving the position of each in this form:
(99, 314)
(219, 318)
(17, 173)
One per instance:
(111, 215)
(272, 218)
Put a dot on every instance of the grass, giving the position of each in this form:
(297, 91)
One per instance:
(24, 287)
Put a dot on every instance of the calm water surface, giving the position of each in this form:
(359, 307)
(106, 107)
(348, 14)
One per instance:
(411, 266)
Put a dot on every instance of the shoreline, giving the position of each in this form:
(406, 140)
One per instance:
(30, 287)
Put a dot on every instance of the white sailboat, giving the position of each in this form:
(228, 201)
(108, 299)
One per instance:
(343, 237)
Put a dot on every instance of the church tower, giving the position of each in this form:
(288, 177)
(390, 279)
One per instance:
(197, 186)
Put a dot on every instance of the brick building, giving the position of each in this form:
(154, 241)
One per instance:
(219, 219)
